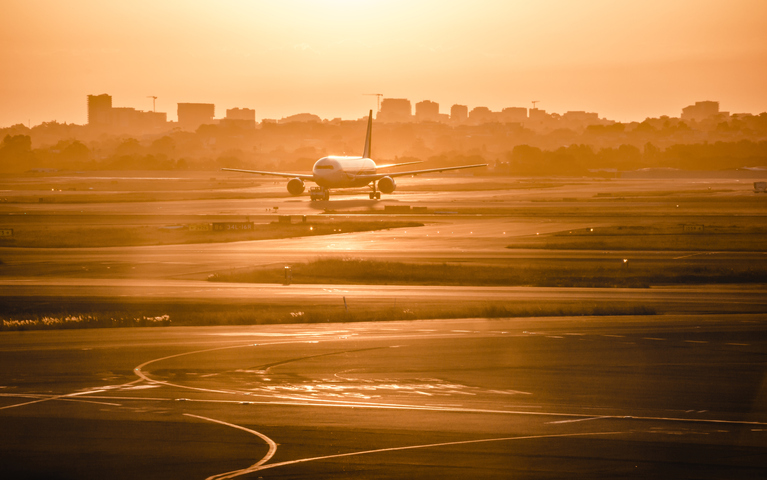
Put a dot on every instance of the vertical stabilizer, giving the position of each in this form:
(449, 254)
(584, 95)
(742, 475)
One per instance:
(366, 152)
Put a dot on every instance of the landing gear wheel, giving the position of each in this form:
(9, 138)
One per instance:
(327, 195)
(372, 195)
(378, 195)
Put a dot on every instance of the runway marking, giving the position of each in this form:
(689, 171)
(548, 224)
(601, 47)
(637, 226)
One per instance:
(58, 397)
(739, 344)
(276, 334)
(302, 401)
(576, 420)
(695, 341)
(316, 402)
(252, 468)
(435, 407)
(91, 401)
(696, 254)
(654, 338)
(45, 397)
(615, 336)
(432, 445)
(510, 392)
(265, 368)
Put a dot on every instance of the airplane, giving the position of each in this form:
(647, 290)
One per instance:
(336, 171)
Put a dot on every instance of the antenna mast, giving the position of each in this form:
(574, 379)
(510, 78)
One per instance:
(154, 99)
(534, 102)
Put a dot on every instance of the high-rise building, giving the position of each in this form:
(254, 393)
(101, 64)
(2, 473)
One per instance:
(541, 121)
(192, 115)
(579, 120)
(513, 115)
(480, 115)
(130, 120)
(538, 115)
(459, 114)
(244, 118)
(700, 111)
(427, 111)
(241, 114)
(103, 115)
(395, 110)
(99, 110)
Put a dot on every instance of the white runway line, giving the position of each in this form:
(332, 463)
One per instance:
(50, 397)
(252, 468)
(432, 445)
(59, 397)
(576, 420)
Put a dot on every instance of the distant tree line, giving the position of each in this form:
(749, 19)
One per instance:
(584, 159)
(508, 148)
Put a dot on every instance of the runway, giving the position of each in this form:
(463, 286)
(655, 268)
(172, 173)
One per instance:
(584, 398)
(677, 392)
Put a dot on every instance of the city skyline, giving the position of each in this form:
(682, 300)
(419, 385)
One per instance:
(103, 115)
(628, 62)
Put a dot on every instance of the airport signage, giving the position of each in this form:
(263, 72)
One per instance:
(232, 226)
(200, 227)
(6, 232)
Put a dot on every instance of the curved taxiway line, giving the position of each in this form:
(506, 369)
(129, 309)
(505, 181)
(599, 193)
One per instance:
(431, 445)
(298, 400)
(252, 468)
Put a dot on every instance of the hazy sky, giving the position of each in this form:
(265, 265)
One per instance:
(626, 60)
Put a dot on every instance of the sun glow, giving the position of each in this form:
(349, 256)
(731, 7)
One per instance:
(294, 56)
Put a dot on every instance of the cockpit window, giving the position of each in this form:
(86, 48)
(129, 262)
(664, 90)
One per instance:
(324, 167)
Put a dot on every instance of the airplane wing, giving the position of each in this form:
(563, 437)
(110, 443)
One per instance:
(392, 165)
(302, 176)
(379, 176)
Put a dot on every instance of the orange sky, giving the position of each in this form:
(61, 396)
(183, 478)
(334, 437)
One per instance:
(624, 60)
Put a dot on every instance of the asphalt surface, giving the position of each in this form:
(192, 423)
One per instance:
(608, 397)
(681, 394)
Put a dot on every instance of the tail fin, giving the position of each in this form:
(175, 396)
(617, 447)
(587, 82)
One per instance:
(366, 152)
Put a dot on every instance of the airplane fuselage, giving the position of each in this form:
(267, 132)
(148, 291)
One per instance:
(343, 172)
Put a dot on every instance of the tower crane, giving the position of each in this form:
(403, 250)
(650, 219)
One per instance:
(378, 95)
(534, 102)
(154, 99)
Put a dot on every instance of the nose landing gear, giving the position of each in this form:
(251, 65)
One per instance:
(375, 194)
(319, 193)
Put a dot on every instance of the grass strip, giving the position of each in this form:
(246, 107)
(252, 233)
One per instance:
(526, 273)
(62, 236)
(101, 312)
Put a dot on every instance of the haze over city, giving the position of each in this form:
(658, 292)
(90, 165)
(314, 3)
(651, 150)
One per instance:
(625, 61)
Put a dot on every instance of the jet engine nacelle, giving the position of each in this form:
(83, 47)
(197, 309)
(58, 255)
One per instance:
(296, 186)
(387, 185)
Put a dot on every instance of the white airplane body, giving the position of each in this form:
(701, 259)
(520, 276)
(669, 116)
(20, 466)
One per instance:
(348, 172)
